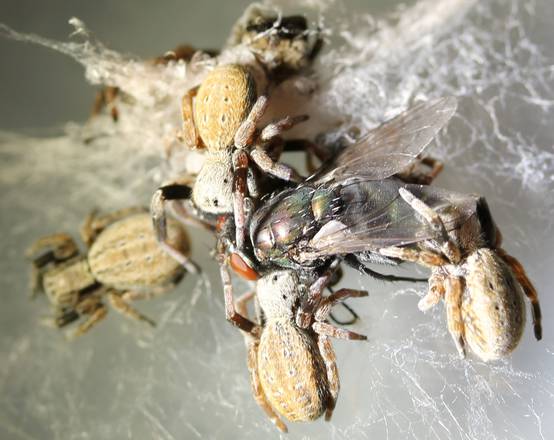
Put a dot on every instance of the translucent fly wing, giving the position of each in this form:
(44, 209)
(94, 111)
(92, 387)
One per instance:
(375, 216)
(391, 147)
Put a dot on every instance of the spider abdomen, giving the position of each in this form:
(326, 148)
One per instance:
(292, 371)
(493, 307)
(224, 100)
(126, 254)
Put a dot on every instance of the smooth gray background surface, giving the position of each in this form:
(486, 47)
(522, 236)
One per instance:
(187, 378)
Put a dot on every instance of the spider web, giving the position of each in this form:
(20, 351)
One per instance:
(188, 378)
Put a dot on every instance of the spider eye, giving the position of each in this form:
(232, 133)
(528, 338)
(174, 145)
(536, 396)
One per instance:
(215, 202)
(225, 180)
(275, 277)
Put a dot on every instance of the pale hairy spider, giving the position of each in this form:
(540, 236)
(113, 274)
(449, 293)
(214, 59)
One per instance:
(283, 45)
(123, 263)
(481, 284)
(292, 364)
(221, 116)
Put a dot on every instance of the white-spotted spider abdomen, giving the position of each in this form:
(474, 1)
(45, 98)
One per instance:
(223, 102)
(292, 371)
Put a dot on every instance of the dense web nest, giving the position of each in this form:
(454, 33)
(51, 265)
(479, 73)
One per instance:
(188, 377)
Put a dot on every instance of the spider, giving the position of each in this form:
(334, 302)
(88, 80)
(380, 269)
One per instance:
(291, 361)
(482, 285)
(123, 263)
(221, 117)
(226, 117)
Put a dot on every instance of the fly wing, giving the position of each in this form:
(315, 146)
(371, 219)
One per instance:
(391, 147)
(375, 216)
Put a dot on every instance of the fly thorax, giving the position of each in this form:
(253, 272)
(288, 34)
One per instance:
(279, 294)
(63, 283)
(213, 188)
(325, 203)
(285, 225)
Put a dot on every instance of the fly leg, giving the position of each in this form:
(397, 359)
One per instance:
(354, 262)
(159, 220)
(415, 174)
(311, 148)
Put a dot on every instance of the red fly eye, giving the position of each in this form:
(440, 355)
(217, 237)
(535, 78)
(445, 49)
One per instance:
(242, 268)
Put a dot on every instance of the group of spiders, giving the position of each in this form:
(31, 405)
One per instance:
(289, 234)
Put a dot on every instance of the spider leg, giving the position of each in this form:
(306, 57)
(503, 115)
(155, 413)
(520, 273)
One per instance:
(311, 149)
(450, 250)
(327, 303)
(453, 299)
(240, 194)
(188, 133)
(246, 132)
(136, 295)
(326, 329)
(95, 316)
(277, 169)
(328, 355)
(183, 215)
(274, 129)
(434, 294)
(159, 219)
(257, 389)
(231, 314)
(94, 224)
(251, 340)
(528, 289)
(305, 312)
(419, 256)
(119, 305)
(54, 248)
(415, 174)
